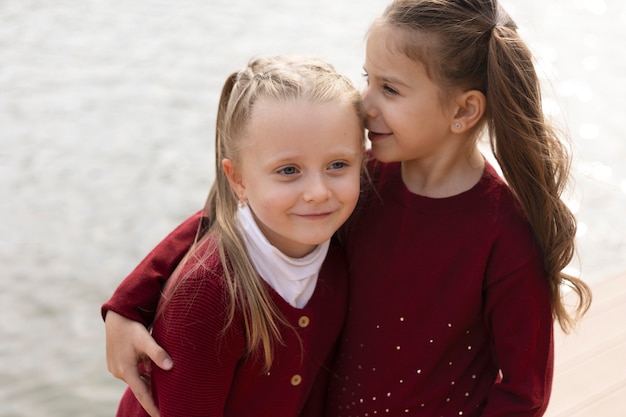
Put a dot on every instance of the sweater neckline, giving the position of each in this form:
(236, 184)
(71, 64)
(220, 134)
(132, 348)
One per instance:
(455, 203)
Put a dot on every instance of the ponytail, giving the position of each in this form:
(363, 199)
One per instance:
(535, 162)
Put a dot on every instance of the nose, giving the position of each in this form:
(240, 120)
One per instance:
(368, 102)
(317, 189)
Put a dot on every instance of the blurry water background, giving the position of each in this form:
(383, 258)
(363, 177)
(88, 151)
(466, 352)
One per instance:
(107, 114)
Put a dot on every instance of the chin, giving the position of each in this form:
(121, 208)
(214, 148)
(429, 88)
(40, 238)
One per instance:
(316, 240)
(382, 156)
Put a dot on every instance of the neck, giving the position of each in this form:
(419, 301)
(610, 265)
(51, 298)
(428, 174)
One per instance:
(443, 177)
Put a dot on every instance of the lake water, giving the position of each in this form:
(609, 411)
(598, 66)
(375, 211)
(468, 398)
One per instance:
(106, 120)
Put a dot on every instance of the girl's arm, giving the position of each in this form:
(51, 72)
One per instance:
(131, 309)
(518, 311)
(138, 294)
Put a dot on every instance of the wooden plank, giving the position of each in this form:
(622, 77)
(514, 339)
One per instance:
(599, 328)
(609, 404)
(587, 382)
(590, 364)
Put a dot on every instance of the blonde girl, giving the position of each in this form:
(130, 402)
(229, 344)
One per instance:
(253, 310)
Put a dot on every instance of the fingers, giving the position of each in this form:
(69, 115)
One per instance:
(141, 389)
(128, 347)
(126, 340)
(155, 352)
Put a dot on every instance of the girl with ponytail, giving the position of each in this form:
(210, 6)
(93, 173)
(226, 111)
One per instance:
(473, 262)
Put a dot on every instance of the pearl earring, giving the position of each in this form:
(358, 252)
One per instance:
(241, 203)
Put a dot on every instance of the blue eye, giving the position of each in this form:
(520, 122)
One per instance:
(290, 170)
(338, 165)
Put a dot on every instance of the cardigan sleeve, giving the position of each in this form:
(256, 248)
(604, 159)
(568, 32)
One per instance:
(137, 295)
(518, 313)
(206, 352)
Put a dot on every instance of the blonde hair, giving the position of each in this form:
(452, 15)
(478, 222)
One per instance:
(474, 44)
(278, 79)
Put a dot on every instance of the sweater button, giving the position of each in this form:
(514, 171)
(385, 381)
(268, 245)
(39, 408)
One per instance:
(303, 321)
(296, 380)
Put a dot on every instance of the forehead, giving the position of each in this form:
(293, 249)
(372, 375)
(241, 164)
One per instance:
(286, 122)
(300, 110)
(385, 55)
(412, 42)
(384, 36)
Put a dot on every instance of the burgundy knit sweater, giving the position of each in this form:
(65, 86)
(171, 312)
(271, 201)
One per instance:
(449, 311)
(213, 376)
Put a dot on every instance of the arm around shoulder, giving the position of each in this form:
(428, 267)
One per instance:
(138, 294)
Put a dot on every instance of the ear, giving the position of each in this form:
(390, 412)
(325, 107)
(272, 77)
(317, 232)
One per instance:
(234, 178)
(470, 108)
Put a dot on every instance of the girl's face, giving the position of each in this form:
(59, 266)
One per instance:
(405, 116)
(299, 170)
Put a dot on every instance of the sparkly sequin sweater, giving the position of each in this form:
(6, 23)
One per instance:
(212, 375)
(449, 311)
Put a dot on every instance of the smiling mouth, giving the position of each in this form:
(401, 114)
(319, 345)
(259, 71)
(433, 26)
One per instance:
(316, 216)
(373, 136)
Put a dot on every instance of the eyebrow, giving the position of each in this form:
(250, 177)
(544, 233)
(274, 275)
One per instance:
(387, 79)
(392, 80)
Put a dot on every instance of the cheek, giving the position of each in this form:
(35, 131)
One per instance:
(406, 117)
(350, 189)
(269, 198)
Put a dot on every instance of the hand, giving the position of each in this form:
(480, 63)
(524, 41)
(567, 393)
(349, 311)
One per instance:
(129, 345)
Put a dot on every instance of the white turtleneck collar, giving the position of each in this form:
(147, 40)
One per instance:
(293, 278)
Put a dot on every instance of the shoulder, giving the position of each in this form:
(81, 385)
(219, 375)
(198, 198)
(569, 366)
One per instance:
(498, 199)
(200, 273)
(514, 245)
